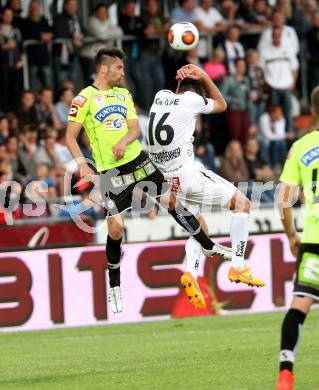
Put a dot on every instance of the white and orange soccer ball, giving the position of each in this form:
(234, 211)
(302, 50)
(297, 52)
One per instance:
(183, 36)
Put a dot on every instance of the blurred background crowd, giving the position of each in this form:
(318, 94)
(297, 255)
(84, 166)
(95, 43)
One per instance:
(264, 56)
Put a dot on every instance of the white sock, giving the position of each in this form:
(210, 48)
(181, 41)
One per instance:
(239, 237)
(193, 251)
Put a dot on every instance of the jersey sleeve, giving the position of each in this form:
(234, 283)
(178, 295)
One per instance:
(79, 108)
(200, 104)
(291, 171)
(131, 112)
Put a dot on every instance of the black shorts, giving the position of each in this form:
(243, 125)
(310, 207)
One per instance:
(307, 276)
(124, 187)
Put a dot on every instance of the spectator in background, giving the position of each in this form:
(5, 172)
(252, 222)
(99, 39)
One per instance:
(62, 107)
(27, 113)
(10, 62)
(133, 25)
(289, 36)
(44, 175)
(228, 9)
(215, 67)
(36, 27)
(246, 14)
(151, 62)
(101, 28)
(185, 12)
(66, 26)
(208, 19)
(257, 84)
(232, 165)
(237, 93)
(46, 114)
(46, 154)
(258, 170)
(262, 12)
(280, 67)
(4, 129)
(312, 40)
(16, 167)
(233, 48)
(28, 146)
(273, 136)
(297, 20)
(15, 6)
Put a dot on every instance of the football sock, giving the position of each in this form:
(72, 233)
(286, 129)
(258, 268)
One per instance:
(193, 251)
(290, 336)
(190, 224)
(239, 236)
(113, 254)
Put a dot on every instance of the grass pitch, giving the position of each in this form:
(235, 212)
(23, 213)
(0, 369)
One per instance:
(216, 353)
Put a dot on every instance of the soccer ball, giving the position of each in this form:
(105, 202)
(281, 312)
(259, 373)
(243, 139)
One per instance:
(183, 36)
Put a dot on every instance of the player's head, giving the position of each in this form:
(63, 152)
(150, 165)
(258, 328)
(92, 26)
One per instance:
(315, 103)
(190, 85)
(109, 64)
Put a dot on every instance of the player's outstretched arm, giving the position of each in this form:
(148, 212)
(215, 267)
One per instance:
(194, 72)
(72, 132)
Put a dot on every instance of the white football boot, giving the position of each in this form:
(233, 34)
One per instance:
(219, 250)
(115, 299)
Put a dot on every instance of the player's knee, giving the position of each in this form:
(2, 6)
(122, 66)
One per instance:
(240, 203)
(115, 231)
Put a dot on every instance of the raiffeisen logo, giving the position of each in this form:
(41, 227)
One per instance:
(107, 111)
(310, 156)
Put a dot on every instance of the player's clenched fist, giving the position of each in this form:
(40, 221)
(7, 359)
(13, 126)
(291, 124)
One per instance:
(119, 150)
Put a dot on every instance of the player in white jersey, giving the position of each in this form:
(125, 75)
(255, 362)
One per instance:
(170, 136)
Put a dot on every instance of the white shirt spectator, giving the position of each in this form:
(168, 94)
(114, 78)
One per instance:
(65, 158)
(272, 131)
(278, 64)
(233, 50)
(100, 30)
(289, 38)
(209, 20)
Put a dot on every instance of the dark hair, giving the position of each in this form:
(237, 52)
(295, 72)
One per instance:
(191, 85)
(100, 5)
(63, 90)
(104, 55)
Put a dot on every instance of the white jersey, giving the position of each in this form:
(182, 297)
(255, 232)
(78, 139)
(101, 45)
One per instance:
(171, 128)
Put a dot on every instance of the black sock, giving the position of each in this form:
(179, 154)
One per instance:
(190, 223)
(113, 254)
(290, 336)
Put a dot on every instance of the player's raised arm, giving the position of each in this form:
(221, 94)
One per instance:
(194, 72)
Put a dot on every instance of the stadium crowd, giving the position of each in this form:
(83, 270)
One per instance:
(252, 49)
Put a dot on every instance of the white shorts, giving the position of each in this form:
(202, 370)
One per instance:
(197, 186)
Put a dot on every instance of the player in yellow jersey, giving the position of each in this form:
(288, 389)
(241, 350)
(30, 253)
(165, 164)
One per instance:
(301, 169)
(107, 113)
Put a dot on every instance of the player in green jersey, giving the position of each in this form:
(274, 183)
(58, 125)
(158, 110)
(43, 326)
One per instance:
(107, 113)
(301, 169)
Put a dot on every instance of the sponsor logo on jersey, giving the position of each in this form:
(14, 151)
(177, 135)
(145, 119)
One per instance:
(310, 156)
(110, 110)
(115, 124)
(73, 111)
(79, 100)
(99, 100)
(166, 102)
(165, 156)
(120, 97)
